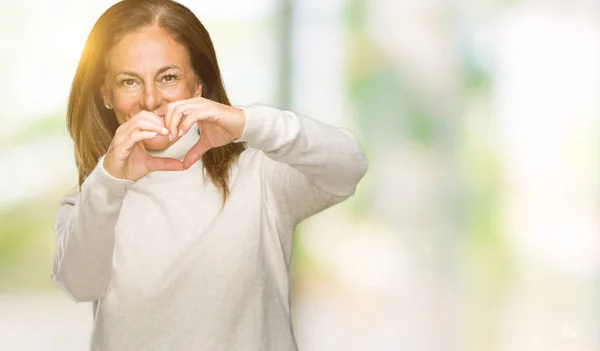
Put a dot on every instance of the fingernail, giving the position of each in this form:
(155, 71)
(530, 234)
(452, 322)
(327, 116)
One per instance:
(170, 137)
(165, 130)
(180, 132)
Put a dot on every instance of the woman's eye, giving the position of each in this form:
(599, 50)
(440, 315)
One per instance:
(128, 82)
(169, 78)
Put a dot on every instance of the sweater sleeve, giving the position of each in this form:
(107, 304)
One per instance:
(84, 233)
(313, 165)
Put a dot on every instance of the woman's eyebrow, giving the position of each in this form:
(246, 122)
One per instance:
(161, 70)
(166, 68)
(128, 73)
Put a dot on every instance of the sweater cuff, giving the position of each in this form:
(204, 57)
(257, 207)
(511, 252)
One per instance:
(257, 122)
(100, 177)
(251, 124)
(268, 128)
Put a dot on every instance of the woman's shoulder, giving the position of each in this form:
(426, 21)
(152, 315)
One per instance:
(70, 197)
(255, 161)
(251, 156)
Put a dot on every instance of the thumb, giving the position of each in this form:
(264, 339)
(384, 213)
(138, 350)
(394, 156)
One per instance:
(164, 164)
(196, 153)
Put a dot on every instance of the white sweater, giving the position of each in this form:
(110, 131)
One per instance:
(169, 269)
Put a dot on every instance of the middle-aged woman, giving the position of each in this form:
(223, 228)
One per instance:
(181, 229)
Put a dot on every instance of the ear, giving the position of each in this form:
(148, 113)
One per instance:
(105, 96)
(198, 90)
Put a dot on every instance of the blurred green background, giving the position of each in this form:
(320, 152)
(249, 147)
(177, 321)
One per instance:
(477, 225)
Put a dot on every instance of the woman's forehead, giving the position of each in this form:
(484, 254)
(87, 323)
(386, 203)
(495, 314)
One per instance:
(150, 48)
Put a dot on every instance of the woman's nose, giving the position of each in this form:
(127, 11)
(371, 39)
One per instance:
(152, 98)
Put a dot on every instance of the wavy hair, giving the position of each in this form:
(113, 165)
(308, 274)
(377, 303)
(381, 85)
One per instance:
(92, 127)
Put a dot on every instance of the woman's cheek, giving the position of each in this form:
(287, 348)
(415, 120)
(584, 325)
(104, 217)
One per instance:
(178, 92)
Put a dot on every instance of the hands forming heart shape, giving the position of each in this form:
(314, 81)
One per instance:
(127, 158)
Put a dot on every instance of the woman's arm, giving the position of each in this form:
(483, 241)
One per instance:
(313, 166)
(85, 223)
(84, 231)
(316, 165)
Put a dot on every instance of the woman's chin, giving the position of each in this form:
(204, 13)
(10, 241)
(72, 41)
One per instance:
(158, 143)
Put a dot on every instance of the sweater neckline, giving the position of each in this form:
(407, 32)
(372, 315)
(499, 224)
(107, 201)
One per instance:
(181, 146)
(177, 151)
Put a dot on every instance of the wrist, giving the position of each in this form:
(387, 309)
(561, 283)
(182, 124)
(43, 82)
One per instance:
(240, 125)
(105, 167)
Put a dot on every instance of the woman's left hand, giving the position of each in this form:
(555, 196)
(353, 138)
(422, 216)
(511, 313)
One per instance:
(219, 124)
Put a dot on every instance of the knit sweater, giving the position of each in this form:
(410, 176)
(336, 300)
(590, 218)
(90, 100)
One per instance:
(169, 268)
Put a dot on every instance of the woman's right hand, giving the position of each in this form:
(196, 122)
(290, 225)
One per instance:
(127, 158)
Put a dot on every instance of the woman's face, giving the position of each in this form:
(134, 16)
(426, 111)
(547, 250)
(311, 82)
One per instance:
(147, 70)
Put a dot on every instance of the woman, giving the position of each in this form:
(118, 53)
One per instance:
(181, 231)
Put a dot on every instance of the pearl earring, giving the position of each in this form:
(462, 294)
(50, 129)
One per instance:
(108, 106)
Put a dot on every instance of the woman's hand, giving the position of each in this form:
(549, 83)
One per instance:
(127, 158)
(219, 124)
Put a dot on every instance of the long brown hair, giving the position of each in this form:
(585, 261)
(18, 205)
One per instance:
(93, 127)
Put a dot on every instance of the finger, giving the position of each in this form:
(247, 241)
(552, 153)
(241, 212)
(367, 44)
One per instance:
(169, 114)
(151, 117)
(132, 134)
(179, 113)
(138, 136)
(150, 126)
(164, 164)
(144, 114)
(120, 134)
(128, 143)
(195, 153)
(197, 115)
(142, 121)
